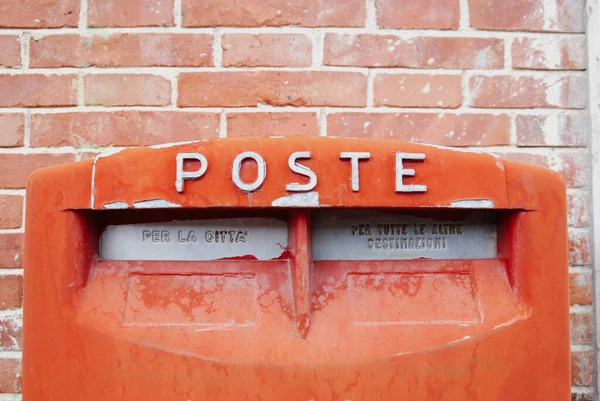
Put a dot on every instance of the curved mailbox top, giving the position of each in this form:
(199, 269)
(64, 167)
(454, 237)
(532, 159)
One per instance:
(302, 172)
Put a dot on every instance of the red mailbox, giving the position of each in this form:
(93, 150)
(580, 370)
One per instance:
(297, 269)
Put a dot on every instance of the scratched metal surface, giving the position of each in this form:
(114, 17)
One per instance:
(260, 238)
(380, 236)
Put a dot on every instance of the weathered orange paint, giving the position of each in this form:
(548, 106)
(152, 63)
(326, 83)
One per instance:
(281, 329)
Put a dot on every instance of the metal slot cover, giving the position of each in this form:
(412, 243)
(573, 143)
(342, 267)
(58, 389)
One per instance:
(201, 240)
(386, 236)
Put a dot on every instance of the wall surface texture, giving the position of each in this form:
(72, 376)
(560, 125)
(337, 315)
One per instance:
(78, 77)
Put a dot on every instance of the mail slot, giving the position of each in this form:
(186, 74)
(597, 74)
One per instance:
(297, 269)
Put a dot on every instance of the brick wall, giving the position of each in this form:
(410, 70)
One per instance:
(78, 77)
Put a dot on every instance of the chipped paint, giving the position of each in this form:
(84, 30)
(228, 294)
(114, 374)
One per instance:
(93, 187)
(155, 204)
(473, 204)
(308, 199)
(197, 240)
(116, 205)
(460, 150)
(173, 144)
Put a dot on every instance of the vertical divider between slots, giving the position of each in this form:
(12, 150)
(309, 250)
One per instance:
(301, 268)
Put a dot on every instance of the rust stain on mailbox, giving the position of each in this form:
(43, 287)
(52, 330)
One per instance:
(297, 269)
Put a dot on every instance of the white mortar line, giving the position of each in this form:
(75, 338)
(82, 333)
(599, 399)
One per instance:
(582, 390)
(81, 89)
(580, 229)
(177, 13)
(24, 211)
(371, 89)
(581, 347)
(371, 15)
(587, 269)
(465, 23)
(83, 17)
(408, 33)
(508, 64)
(9, 313)
(322, 122)
(514, 139)
(12, 192)
(298, 70)
(318, 50)
(466, 93)
(174, 90)
(20, 230)
(25, 41)
(11, 354)
(27, 129)
(10, 397)
(581, 309)
(217, 49)
(223, 124)
(17, 271)
(304, 109)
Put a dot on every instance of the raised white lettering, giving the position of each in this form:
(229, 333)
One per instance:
(237, 166)
(402, 172)
(354, 158)
(189, 175)
(301, 170)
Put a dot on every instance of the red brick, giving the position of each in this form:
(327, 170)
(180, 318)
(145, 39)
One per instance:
(128, 13)
(11, 333)
(11, 211)
(579, 248)
(121, 128)
(266, 50)
(580, 288)
(127, 90)
(418, 90)
(541, 160)
(122, 50)
(255, 13)
(15, 168)
(582, 328)
(10, 375)
(507, 91)
(551, 130)
(573, 165)
(582, 368)
(286, 88)
(366, 50)
(418, 14)
(549, 53)
(10, 56)
(272, 124)
(11, 291)
(39, 13)
(578, 208)
(528, 15)
(11, 251)
(12, 126)
(443, 129)
(36, 90)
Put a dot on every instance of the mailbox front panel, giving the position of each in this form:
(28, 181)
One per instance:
(297, 269)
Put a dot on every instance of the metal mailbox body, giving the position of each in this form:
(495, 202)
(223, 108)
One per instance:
(318, 307)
